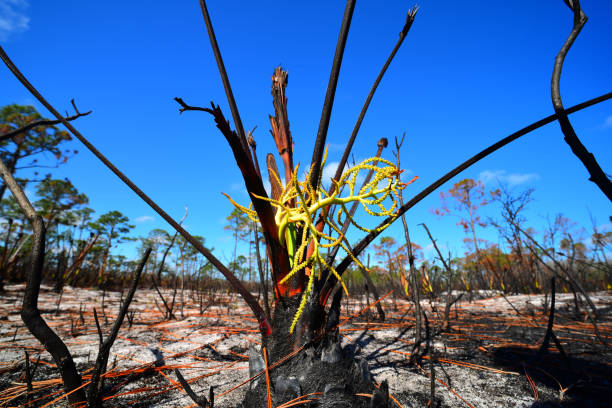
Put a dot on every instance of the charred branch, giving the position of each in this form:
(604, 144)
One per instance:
(94, 397)
(255, 188)
(317, 153)
(551, 319)
(44, 122)
(225, 80)
(449, 273)
(30, 314)
(597, 175)
(349, 145)
(201, 402)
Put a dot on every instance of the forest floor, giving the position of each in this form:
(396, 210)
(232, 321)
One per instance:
(488, 359)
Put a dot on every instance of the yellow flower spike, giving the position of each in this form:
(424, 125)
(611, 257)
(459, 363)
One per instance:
(299, 202)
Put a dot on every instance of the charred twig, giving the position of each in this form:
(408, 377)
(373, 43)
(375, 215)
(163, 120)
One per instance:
(551, 319)
(416, 295)
(349, 144)
(169, 310)
(30, 314)
(265, 212)
(43, 122)
(201, 402)
(317, 152)
(28, 375)
(94, 397)
(226, 84)
(449, 302)
(99, 330)
(587, 158)
(372, 287)
(249, 299)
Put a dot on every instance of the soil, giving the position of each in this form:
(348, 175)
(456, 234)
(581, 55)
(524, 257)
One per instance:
(489, 358)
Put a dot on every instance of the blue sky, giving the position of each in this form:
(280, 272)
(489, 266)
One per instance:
(467, 75)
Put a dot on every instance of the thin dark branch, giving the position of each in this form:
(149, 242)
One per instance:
(98, 328)
(224, 78)
(201, 402)
(168, 312)
(349, 145)
(445, 320)
(247, 296)
(28, 374)
(43, 122)
(260, 269)
(94, 398)
(587, 158)
(30, 314)
(474, 159)
(317, 153)
(551, 319)
(254, 185)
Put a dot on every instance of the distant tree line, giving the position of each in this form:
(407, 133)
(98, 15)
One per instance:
(81, 248)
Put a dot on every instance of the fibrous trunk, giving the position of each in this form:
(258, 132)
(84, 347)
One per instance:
(322, 371)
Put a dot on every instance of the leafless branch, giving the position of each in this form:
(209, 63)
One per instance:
(317, 153)
(44, 122)
(201, 402)
(597, 175)
(225, 79)
(94, 397)
(449, 302)
(349, 145)
(30, 314)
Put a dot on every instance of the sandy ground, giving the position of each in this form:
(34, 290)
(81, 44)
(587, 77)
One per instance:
(477, 363)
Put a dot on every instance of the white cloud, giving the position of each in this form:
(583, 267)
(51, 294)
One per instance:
(13, 18)
(607, 123)
(512, 179)
(144, 218)
(329, 171)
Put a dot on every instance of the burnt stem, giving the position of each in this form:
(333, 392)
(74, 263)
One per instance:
(551, 319)
(317, 153)
(94, 399)
(29, 311)
(349, 145)
(224, 79)
(597, 175)
(449, 303)
(254, 185)
(201, 402)
(44, 122)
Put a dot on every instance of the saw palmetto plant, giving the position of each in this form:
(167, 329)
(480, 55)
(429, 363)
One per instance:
(304, 227)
